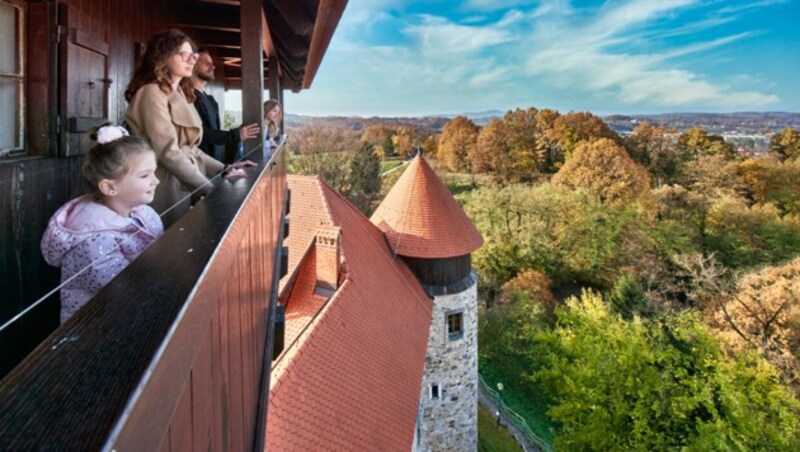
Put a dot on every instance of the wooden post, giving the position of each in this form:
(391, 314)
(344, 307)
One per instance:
(252, 65)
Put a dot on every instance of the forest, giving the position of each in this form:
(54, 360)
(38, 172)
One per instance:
(636, 292)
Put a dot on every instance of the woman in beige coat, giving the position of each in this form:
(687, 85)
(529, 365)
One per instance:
(161, 110)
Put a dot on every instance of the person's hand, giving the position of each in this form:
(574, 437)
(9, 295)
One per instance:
(243, 164)
(249, 131)
(235, 173)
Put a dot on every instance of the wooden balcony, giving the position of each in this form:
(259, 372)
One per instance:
(171, 354)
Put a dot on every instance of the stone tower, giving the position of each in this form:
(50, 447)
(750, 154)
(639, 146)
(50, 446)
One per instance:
(426, 227)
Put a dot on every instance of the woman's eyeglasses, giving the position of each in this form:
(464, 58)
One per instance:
(186, 56)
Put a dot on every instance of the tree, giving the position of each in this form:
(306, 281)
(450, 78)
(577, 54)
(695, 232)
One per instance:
(365, 177)
(323, 151)
(627, 297)
(547, 144)
(492, 152)
(568, 235)
(714, 177)
(569, 130)
(522, 136)
(603, 166)
(785, 144)
(656, 149)
(763, 314)
(696, 142)
(771, 181)
(531, 284)
(407, 140)
(456, 143)
(658, 384)
(743, 236)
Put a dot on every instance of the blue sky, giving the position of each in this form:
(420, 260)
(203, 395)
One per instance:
(408, 57)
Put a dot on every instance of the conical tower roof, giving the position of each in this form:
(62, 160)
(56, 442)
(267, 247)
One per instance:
(420, 217)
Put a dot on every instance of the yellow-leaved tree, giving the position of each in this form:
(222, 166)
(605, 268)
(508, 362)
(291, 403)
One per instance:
(456, 142)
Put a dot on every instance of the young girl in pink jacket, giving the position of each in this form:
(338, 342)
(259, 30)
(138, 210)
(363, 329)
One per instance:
(93, 237)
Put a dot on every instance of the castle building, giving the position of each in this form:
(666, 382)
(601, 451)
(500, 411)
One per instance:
(380, 342)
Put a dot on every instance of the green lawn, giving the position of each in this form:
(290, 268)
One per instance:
(386, 165)
(526, 400)
(492, 438)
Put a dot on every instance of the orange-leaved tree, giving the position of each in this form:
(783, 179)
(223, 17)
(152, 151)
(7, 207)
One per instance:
(603, 166)
(456, 142)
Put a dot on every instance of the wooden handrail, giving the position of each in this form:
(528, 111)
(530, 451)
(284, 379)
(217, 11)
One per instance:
(171, 351)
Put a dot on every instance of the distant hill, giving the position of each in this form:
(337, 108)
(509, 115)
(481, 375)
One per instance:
(727, 124)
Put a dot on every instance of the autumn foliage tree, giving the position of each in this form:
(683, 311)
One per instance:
(603, 166)
(696, 142)
(764, 314)
(492, 152)
(785, 144)
(569, 130)
(457, 142)
(655, 148)
(770, 180)
(532, 284)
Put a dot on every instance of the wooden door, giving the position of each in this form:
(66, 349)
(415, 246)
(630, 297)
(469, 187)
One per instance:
(84, 83)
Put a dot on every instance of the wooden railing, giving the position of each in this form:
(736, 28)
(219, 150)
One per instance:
(170, 354)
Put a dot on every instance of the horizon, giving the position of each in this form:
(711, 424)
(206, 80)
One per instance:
(616, 57)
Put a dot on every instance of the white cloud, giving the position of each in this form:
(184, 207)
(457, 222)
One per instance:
(585, 56)
(553, 54)
(438, 35)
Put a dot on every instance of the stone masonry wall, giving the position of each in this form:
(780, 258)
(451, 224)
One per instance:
(450, 423)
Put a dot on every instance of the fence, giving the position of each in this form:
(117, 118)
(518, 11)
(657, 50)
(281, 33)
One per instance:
(516, 419)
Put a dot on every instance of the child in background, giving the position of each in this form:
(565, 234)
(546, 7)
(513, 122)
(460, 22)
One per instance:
(93, 237)
(272, 123)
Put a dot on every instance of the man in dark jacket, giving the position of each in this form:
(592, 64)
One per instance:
(214, 138)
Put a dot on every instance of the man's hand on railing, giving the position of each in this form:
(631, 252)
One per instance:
(235, 170)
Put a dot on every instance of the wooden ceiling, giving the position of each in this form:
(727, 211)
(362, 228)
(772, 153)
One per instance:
(297, 33)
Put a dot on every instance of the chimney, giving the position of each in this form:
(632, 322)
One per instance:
(328, 255)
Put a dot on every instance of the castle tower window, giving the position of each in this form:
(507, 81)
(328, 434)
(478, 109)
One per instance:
(434, 391)
(455, 325)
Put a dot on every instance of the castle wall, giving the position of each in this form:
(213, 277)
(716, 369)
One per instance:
(450, 422)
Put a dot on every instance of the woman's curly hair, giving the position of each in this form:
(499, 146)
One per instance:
(153, 67)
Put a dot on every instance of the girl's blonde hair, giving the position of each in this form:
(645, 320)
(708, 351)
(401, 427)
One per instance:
(110, 160)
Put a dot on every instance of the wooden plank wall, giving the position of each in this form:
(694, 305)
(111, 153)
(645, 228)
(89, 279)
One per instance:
(32, 189)
(204, 390)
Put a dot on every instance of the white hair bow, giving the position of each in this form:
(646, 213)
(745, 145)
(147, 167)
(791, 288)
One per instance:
(107, 134)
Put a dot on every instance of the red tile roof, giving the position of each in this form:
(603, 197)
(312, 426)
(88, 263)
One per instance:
(421, 218)
(350, 376)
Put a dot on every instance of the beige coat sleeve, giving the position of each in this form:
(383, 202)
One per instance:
(156, 122)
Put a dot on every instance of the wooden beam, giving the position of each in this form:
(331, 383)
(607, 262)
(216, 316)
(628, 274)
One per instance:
(274, 78)
(252, 64)
(266, 37)
(328, 16)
